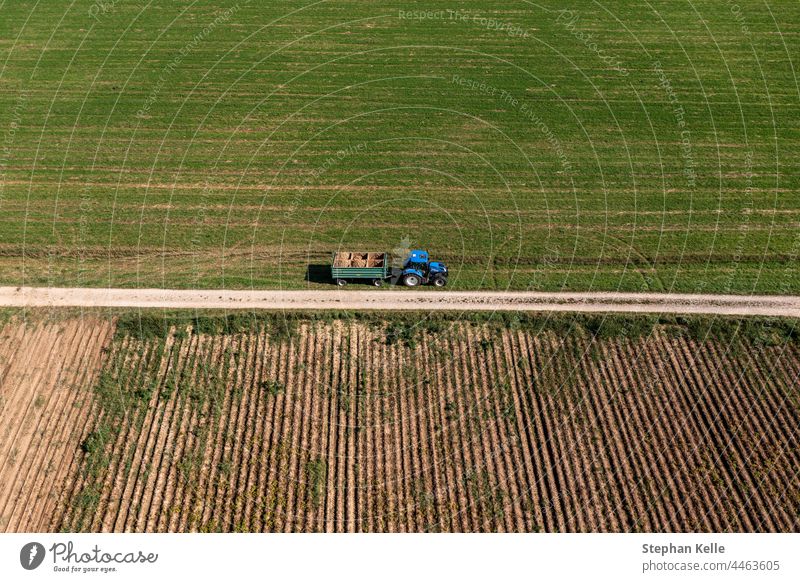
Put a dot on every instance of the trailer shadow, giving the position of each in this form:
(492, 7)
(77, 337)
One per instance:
(319, 274)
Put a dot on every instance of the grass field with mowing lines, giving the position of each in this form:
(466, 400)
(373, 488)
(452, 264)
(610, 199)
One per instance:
(631, 146)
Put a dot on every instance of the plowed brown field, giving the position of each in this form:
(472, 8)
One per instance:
(46, 374)
(465, 427)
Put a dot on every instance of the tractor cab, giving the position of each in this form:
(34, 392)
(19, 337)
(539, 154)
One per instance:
(420, 270)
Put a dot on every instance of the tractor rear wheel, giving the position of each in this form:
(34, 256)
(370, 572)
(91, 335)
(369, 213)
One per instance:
(411, 281)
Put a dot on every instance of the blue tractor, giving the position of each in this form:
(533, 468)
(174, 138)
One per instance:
(420, 270)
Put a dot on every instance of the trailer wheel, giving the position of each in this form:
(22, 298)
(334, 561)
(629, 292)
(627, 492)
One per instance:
(377, 282)
(411, 281)
(439, 282)
(341, 282)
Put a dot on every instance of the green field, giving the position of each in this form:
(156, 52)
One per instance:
(614, 146)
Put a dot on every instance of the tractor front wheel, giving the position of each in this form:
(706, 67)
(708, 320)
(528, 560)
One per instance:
(439, 282)
(411, 281)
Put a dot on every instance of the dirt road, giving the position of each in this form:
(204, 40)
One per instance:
(384, 300)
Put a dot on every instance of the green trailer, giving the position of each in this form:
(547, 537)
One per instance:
(373, 267)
